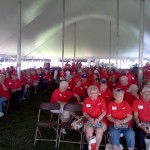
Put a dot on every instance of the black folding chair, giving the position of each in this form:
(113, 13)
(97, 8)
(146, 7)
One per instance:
(44, 122)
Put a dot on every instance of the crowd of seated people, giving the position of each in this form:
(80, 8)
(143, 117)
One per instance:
(119, 105)
(13, 89)
(116, 89)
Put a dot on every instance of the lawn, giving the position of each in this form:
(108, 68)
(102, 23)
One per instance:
(17, 128)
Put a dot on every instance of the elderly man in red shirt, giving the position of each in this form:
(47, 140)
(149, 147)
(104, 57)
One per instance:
(62, 96)
(141, 109)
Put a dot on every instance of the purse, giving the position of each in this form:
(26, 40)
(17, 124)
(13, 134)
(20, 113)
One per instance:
(77, 123)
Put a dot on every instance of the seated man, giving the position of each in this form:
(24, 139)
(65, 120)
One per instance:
(62, 96)
(141, 109)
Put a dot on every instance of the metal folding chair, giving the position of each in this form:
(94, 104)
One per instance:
(46, 122)
(77, 108)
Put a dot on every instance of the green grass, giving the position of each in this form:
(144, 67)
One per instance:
(17, 128)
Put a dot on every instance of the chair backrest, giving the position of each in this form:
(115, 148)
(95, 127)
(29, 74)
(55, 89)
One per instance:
(50, 106)
(73, 107)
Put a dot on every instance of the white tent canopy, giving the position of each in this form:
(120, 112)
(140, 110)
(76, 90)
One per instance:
(95, 22)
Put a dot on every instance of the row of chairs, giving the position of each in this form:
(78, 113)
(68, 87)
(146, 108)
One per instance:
(55, 124)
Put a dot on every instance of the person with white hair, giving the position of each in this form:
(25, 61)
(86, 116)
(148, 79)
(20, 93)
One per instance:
(94, 110)
(141, 110)
(132, 94)
(119, 113)
(62, 96)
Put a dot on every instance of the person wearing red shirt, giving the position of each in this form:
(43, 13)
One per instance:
(123, 84)
(141, 110)
(119, 113)
(94, 110)
(132, 94)
(62, 75)
(78, 88)
(4, 93)
(85, 82)
(15, 88)
(62, 96)
(35, 80)
(105, 92)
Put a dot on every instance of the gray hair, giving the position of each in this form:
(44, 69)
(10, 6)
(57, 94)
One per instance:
(63, 84)
(92, 88)
(117, 91)
(132, 87)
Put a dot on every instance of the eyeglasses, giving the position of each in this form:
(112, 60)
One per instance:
(119, 90)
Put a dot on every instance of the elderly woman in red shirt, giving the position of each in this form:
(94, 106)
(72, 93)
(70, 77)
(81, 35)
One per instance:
(94, 109)
(141, 109)
(119, 113)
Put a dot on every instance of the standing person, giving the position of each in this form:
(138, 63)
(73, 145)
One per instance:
(141, 109)
(119, 113)
(94, 109)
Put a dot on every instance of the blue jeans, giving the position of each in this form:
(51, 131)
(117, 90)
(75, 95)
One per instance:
(2, 99)
(128, 134)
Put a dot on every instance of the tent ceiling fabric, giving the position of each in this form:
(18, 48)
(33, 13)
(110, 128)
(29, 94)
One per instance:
(41, 32)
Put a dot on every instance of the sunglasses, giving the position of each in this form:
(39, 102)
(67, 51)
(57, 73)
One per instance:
(119, 90)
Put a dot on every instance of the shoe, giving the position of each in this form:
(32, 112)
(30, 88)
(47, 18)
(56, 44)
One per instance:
(1, 114)
(63, 131)
(23, 98)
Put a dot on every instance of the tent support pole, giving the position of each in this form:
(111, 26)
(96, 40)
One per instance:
(74, 41)
(63, 33)
(141, 40)
(19, 41)
(117, 32)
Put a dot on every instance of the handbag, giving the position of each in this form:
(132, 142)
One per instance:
(77, 123)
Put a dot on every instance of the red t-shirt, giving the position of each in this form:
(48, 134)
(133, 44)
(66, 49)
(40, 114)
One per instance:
(119, 110)
(107, 95)
(79, 90)
(129, 98)
(143, 109)
(59, 96)
(119, 85)
(34, 78)
(15, 84)
(94, 107)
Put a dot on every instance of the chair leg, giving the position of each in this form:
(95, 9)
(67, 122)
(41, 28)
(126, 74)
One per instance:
(81, 141)
(39, 132)
(35, 135)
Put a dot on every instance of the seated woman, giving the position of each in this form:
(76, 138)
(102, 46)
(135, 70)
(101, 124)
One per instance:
(141, 109)
(4, 93)
(62, 96)
(119, 113)
(94, 110)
